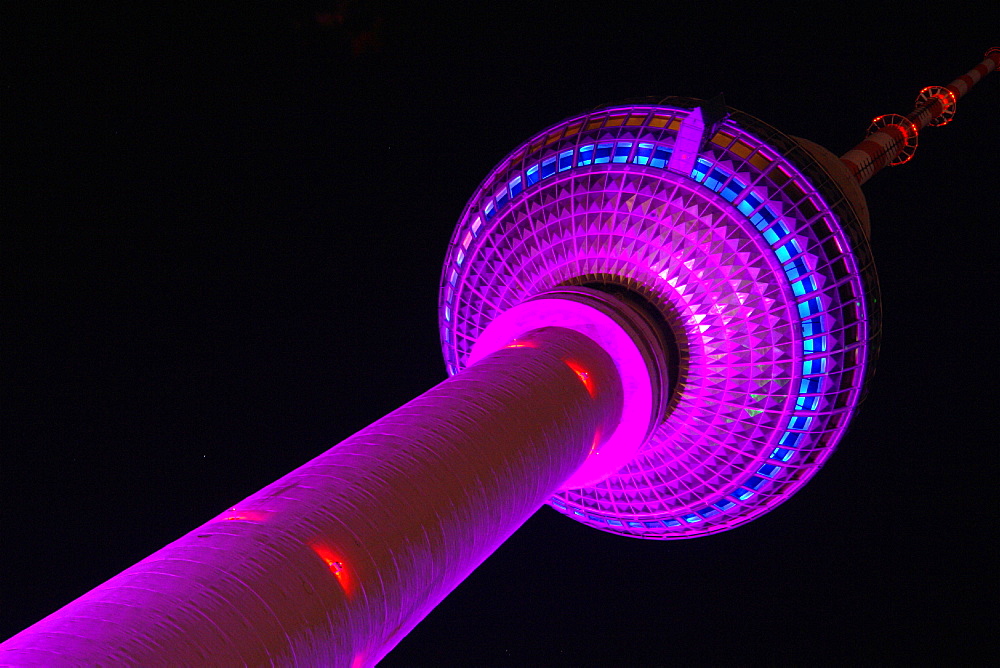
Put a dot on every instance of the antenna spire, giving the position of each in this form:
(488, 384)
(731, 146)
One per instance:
(892, 139)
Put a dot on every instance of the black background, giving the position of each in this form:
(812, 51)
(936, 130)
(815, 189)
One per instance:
(223, 233)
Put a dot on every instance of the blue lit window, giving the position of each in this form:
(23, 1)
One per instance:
(578, 512)
(725, 504)
(796, 268)
(565, 160)
(810, 385)
(700, 170)
(622, 149)
(502, 199)
(752, 199)
(817, 365)
(813, 326)
(660, 157)
(595, 518)
(806, 403)
(756, 482)
(729, 193)
(708, 512)
(586, 155)
(769, 470)
(548, 167)
(691, 517)
(743, 494)
(615, 523)
(637, 525)
(532, 174)
(642, 153)
(810, 307)
(786, 252)
(799, 422)
(460, 257)
(805, 286)
(515, 186)
(782, 454)
(489, 210)
(790, 439)
(558, 504)
(447, 313)
(653, 525)
(671, 523)
(603, 153)
(812, 346)
(762, 218)
(745, 207)
(776, 232)
(715, 179)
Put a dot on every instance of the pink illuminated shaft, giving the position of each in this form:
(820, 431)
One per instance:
(335, 562)
(880, 148)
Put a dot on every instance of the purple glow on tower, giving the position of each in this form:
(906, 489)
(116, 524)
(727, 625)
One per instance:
(620, 446)
(334, 563)
(757, 261)
(657, 321)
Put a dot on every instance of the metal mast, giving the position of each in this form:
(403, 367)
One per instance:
(892, 139)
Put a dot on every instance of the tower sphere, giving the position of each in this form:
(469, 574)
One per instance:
(749, 250)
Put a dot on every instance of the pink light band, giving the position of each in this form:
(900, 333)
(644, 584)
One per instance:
(621, 446)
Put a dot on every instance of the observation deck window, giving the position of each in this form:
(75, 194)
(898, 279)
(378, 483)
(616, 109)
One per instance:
(769, 470)
(548, 167)
(622, 150)
(603, 153)
(515, 186)
(790, 439)
(805, 286)
(800, 422)
(788, 251)
(796, 268)
(815, 345)
(643, 153)
(565, 160)
(813, 326)
(532, 175)
(782, 454)
(806, 403)
(814, 366)
(661, 155)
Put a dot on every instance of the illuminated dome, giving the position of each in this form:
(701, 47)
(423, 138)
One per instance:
(748, 246)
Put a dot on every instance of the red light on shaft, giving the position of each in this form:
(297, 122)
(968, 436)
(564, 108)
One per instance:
(584, 376)
(336, 565)
(245, 515)
(596, 442)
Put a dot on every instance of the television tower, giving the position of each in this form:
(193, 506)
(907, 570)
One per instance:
(658, 318)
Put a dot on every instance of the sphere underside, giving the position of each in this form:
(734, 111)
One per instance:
(757, 266)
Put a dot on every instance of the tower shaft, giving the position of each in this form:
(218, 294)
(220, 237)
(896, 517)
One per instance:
(335, 562)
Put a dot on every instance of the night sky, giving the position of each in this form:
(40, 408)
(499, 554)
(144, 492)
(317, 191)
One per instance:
(222, 239)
